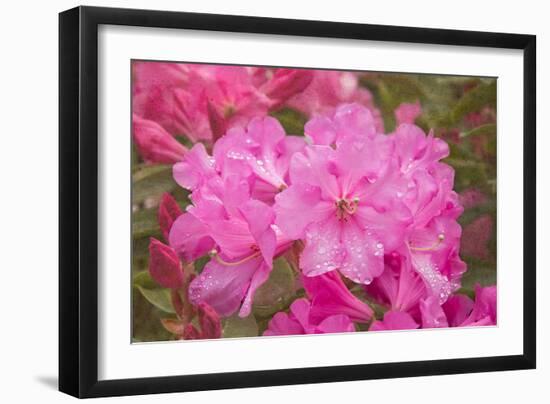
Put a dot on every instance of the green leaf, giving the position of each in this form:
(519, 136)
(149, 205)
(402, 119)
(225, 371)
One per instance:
(146, 321)
(157, 296)
(485, 94)
(488, 129)
(277, 292)
(145, 223)
(151, 181)
(237, 327)
(292, 121)
(483, 275)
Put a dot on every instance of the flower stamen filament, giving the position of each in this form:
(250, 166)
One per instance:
(440, 238)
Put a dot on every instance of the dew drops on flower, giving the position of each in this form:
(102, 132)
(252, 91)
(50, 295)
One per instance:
(279, 201)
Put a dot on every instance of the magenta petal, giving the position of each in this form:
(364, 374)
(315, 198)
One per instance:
(336, 323)
(189, 237)
(457, 308)
(329, 296)
(433, 315)
(394, 320)
(283, 324)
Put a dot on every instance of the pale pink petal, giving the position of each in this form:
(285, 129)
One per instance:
(364, 255)
(190, 237)
(323, 250)
(297, 207)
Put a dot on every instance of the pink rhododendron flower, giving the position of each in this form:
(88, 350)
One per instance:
(154, 144)
(408, 112)
(329, 296)
(225, 220)
(340, 201)
(298, 321)
(261, 153)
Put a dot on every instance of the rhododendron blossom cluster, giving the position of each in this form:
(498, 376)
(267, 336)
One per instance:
(366, 220)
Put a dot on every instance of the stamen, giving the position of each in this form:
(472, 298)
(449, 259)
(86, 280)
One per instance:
(440, 238)
(216, 256)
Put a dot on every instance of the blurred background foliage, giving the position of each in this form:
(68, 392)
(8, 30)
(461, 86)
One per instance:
(461, 110)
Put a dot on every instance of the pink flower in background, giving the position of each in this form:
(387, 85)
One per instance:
(154, 144)
(171, 94)
(407, 112)
(285, 83)
(329, 296)
(329, 89)
(298, 321)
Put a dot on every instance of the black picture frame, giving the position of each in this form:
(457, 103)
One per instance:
(78, 200)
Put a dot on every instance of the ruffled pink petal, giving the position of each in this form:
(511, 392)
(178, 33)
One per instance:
(297, 207)
(364, 255)
(323, 251)
(321, 131)
(196, 167)
(189, 237)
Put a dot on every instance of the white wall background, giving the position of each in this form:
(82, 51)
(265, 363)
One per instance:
(28, 202)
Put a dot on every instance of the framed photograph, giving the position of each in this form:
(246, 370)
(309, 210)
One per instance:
(252, 201)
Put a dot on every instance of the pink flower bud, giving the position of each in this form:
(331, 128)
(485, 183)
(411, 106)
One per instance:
(169, 211)
(286, 83)
(209, 320)
(191, 332)
(154, 144)
(217, 121)
(164, 265)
